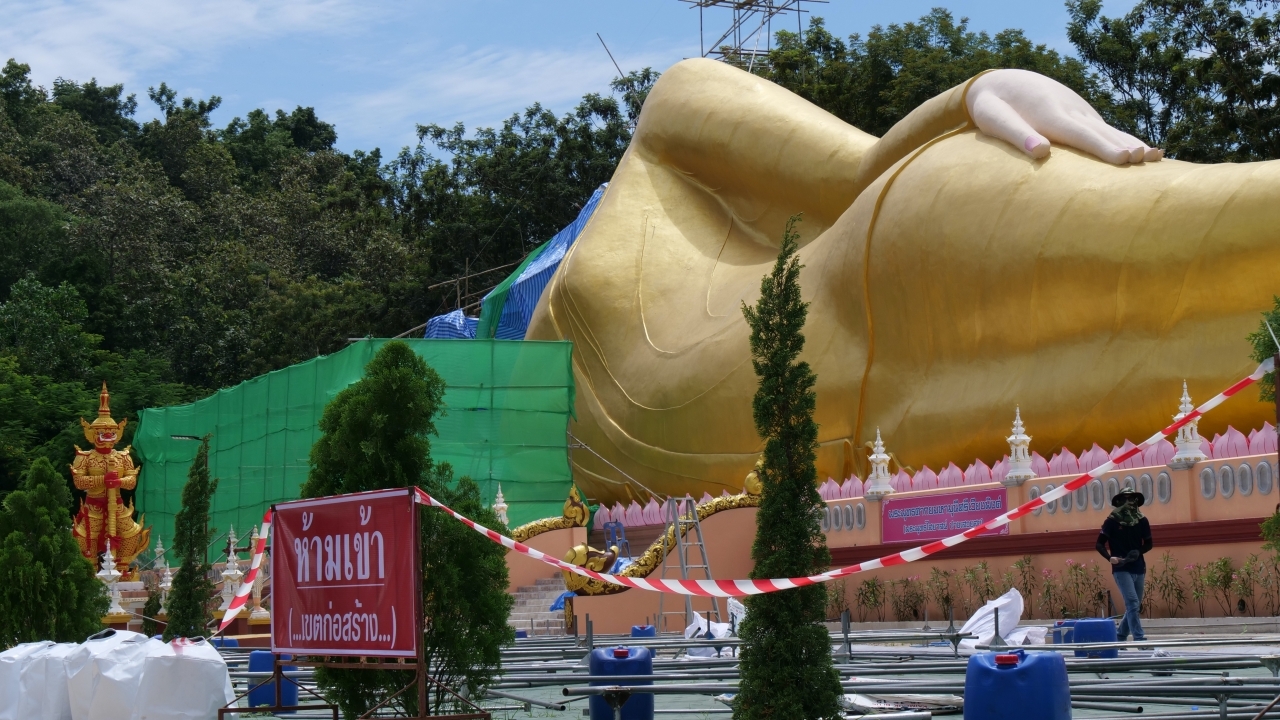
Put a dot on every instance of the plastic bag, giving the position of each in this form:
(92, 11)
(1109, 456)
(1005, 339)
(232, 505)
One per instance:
(699, 629)
(104, 673)
(128, 676)
(182, 680)
(13, 662)
(44, 684)
(983, 622)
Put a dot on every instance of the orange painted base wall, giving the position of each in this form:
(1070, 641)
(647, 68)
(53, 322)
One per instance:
(729, 536)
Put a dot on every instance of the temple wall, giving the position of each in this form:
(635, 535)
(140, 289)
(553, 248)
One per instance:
(1197, 515)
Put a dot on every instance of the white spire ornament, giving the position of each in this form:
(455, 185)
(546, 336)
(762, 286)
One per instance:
(1189, 439)
(500, 506)
(110, 577)
(161, 567)
(231, 574)
(878, 481)
(1019, 453)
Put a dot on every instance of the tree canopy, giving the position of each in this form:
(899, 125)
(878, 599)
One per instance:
(874, 81)
(787, 671)
(200, 256)
(47, 588)
(376, 435)
(1196, 77)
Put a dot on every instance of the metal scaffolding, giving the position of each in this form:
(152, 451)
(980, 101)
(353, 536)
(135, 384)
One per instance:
(752, 22)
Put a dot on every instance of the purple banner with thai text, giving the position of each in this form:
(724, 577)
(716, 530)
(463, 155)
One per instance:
(933, 517)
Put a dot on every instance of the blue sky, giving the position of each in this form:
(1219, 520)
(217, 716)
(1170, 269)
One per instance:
(376, 69)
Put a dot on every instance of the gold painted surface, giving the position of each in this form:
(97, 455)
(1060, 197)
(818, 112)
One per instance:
(651, 559)
(530, 530)
(950, 278)
(104, 516)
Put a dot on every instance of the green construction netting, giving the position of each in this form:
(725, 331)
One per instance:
(507, 411)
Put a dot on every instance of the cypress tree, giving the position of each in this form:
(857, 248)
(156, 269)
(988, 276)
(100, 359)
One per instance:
(192, 591)
(376, 435)
(47, 588)
(786, 665)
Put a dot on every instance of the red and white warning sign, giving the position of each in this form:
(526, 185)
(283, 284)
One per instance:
(344, 575)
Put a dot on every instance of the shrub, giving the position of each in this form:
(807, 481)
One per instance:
(1219, 576)
(908, 598)
(1168, 586)
(870, 597)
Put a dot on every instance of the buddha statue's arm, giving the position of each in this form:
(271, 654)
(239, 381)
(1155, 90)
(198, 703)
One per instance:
(1025, 109)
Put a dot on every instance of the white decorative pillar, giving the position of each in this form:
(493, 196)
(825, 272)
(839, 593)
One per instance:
(877, 485)
(231, 574)
(161, 567)
(1019, 454)
(110, 577)
(259, 613)
(500, 506)
(1189, 439)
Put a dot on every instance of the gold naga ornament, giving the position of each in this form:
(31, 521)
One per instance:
(102, 472)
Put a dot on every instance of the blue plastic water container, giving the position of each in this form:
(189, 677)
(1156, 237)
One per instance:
(263, 661)
(622, 661)
(1062, 631)
(1095, 630)
(1017, 684)
(644, 631)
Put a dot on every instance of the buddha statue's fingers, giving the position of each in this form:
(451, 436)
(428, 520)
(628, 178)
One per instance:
(996, 118)
(1022, 107)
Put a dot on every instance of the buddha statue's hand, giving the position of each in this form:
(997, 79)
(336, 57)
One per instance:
(1030, 111)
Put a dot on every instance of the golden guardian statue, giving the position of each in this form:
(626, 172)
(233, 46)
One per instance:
(102, 472)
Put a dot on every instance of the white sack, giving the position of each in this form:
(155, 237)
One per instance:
(699, 628)
(182, 680)
(983, 622)
(45, 695)
(104, 674)
(12, 662)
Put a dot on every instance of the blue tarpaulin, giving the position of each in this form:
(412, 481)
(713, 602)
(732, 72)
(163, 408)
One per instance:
(508, 308)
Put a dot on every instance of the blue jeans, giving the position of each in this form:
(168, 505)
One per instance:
(1130, 585)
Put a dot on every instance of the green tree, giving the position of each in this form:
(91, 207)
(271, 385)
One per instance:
(873, 82)
(1195, 77)
(189, 606)
(375, 435)
(105, 107)
(30, 231)
(787, 671)
(41, 326)
(36, 413)
(47, 588)
(1264, 346)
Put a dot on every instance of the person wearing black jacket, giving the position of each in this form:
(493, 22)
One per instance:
(1125, 538)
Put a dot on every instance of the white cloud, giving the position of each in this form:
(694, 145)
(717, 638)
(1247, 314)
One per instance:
(480, 87)
(117, 41)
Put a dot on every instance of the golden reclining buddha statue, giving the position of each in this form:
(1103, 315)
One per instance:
(999, 246)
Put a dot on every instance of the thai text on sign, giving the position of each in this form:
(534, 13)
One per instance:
(933, 517)
(344, 575)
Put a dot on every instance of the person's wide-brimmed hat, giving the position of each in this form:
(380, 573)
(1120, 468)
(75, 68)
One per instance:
(1126, 494)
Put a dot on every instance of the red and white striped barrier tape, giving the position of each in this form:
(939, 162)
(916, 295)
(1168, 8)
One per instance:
(242, 593)
(738, 588)
(728, 588)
